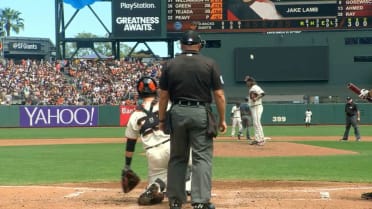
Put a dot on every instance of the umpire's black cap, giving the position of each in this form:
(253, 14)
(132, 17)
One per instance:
(348, 98)
(191, 38)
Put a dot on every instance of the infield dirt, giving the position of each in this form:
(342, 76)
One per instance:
(226, 194)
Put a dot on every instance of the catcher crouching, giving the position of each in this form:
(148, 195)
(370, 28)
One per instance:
(144, 124)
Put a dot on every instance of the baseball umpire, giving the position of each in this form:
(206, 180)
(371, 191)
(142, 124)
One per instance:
(144, 124)
(189, 80)
(352, 118)
(245, 112)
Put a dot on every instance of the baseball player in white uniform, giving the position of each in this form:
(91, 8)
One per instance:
(255, 103)
(308, 115)
(155, 142)
(236, 120)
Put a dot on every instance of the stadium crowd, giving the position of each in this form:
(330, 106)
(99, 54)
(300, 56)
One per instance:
(78, 82)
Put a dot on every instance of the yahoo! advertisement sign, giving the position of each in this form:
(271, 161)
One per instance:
(58, 116)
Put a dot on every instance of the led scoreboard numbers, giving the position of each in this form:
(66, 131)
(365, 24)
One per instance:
(192, 14)
(266, 15)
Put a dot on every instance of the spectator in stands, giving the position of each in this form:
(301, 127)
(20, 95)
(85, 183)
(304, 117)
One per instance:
(84, 83)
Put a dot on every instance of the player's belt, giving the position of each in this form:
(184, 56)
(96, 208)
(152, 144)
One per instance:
(147, 148)
(255, 105)
(189, 103)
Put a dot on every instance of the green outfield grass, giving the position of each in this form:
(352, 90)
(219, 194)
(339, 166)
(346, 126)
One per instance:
(23, 165)
(118, 132)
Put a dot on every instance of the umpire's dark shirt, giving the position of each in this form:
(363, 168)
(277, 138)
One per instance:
(351, 109)
(191, 76)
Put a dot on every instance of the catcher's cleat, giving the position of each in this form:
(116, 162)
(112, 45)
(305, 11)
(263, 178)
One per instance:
(151, 196)
(367, 196)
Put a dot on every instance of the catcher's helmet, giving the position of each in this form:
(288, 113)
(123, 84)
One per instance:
(146, 86)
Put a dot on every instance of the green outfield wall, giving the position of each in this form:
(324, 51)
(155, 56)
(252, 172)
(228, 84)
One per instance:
(273, 114)
(294, 114)
(293, 63)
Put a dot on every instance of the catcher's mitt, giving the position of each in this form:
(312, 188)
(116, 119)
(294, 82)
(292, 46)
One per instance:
(129, 180)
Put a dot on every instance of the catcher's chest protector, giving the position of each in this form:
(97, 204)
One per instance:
(150, 121)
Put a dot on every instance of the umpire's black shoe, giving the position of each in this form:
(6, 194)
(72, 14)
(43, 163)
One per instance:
(343, 140)
(175, 204)
(203, 206)
(367, 195)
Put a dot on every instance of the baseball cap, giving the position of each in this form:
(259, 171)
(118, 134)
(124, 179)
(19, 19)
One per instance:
(348, 98)
(190, 38)
(248, 78)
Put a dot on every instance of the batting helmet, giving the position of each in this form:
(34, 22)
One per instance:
(146, 86)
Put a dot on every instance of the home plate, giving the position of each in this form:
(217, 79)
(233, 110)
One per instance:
(74, 194)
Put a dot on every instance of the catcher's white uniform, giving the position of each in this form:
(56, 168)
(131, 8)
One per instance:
(256, 111)
(156, 144)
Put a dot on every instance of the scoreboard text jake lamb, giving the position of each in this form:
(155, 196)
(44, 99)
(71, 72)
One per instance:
(264, 15)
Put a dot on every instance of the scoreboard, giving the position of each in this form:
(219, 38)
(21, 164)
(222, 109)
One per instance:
(216, 16)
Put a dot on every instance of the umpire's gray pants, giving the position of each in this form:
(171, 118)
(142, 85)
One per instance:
(189, 125)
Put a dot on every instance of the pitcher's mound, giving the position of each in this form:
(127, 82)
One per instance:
(244, 149)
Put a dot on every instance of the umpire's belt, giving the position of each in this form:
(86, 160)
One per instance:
(147, 148)
(189, 103)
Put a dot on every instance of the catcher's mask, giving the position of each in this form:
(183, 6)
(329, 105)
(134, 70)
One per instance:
(147, 86)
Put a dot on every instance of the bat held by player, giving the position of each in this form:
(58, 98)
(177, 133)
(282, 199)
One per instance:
(362, 93)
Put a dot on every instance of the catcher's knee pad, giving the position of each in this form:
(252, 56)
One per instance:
(151, 196)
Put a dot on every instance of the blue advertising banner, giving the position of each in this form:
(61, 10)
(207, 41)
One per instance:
(58, 116)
